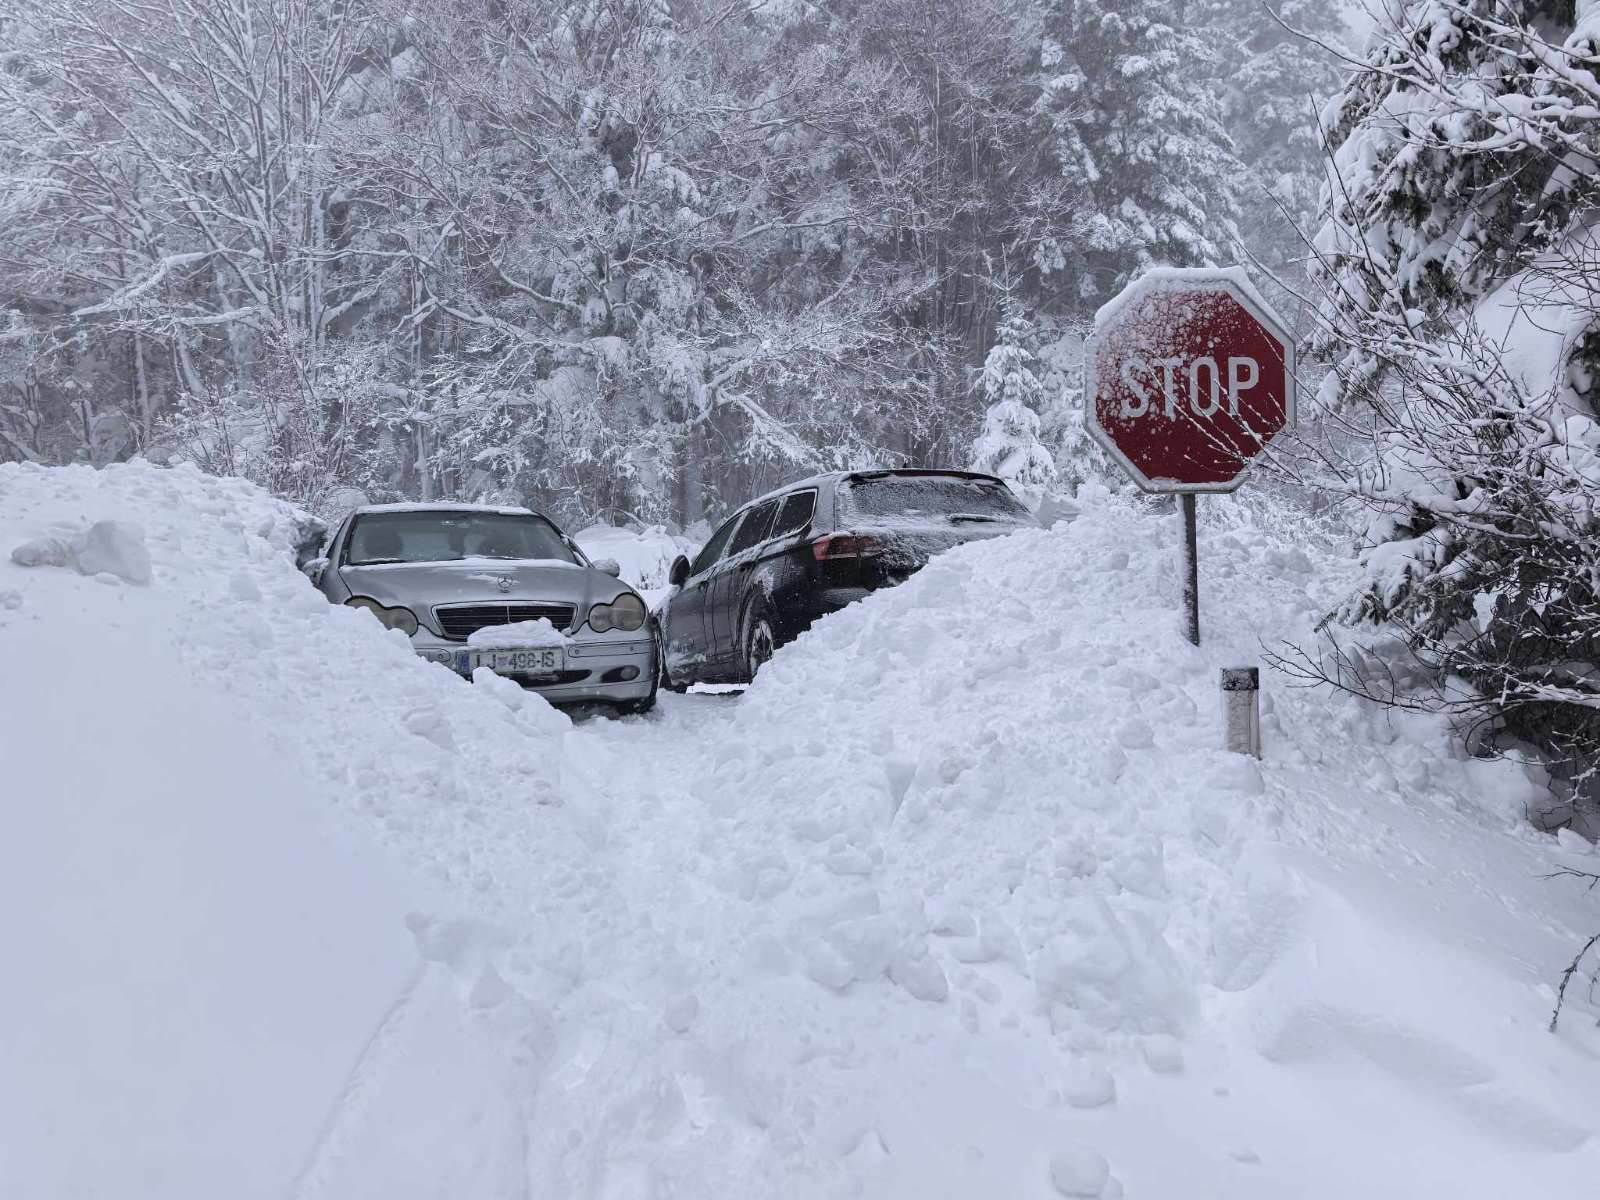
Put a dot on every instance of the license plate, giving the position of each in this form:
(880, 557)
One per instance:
(520, 662)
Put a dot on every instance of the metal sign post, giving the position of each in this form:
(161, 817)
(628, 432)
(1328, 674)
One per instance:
(1241, 710)
(1191, 573)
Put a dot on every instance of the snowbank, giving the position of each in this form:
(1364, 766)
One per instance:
(999, 903)
(960, 898)
(219, 983)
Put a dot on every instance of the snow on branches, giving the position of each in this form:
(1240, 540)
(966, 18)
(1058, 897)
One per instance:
(595, 256)
(1462, 317)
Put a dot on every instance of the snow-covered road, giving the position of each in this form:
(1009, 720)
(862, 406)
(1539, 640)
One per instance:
(960, 899)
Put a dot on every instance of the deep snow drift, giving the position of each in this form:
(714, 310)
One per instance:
(960, 899)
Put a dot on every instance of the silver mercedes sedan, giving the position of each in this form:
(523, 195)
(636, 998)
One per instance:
(478, 586)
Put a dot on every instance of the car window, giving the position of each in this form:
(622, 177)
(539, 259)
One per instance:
(712, 550)
(795, 514)
(451, 535)
(755, 529)
(919, 499)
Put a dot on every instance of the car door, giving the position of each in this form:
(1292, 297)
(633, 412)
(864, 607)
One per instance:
(686, 627)
(329, 582)
(729, 578)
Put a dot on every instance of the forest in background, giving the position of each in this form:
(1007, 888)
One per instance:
(633, 261)
(616, 259)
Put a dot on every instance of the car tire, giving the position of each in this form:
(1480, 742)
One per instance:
(637, 708)
(760, 643)
(664, 677)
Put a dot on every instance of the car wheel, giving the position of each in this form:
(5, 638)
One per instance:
(759, 645)
(663, 675)
(633, 708)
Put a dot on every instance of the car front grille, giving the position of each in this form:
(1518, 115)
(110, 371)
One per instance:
(460, 621)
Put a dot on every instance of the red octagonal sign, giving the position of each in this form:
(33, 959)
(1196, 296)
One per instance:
(1189, 376)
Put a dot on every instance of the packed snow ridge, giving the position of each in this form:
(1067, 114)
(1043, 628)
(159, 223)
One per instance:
(962, 898)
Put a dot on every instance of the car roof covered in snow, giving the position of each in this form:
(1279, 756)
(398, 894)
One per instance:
(829, 477)
(444, 506)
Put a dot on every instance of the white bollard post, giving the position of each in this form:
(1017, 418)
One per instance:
(1241, 709)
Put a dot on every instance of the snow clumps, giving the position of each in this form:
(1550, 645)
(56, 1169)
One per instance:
(519, 635)
(106, 548)
(1079, 1172)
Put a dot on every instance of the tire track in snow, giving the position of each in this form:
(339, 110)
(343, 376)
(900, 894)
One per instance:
(360, 1086)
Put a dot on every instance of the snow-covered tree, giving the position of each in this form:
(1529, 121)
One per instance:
(594, 255)
(1009, 445)
(1063, 424)
(1463, 323)
(1129, 100)
(1278, 65)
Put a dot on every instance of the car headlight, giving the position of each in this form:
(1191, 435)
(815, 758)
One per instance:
(402, 619)
(626, 612)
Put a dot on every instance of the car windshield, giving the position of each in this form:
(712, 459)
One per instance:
(901, 499)
(446, 536)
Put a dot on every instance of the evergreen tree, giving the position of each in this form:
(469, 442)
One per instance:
(1443, 189)
(1276, 74)
(1009, 444)
(1129, 100)
(1463, 323)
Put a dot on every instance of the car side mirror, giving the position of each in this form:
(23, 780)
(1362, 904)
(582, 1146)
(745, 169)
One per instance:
(680, 571)
(609, 565)
(314, 569)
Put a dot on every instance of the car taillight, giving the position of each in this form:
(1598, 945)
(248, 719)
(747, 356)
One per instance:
(844, 545)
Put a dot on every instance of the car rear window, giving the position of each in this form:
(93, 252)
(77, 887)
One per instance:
(914, 499)
(795, 514)
(446, 536)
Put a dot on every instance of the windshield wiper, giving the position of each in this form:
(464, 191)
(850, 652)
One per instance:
(987, 518)
(378, 562)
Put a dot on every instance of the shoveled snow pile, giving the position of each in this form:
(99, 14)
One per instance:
(995, 906)
(644, 555)
(212, 988)
(961, 898)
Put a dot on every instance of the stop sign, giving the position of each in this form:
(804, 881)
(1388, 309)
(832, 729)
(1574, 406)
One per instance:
(1189, 375)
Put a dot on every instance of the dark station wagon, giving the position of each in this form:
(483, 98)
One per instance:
(796, 554)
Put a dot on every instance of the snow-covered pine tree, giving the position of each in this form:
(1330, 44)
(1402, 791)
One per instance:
(1463, 320)
(1079, 458)
(1277, 72)
(1433, 204)
(1129, 101)
(1009, 444)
